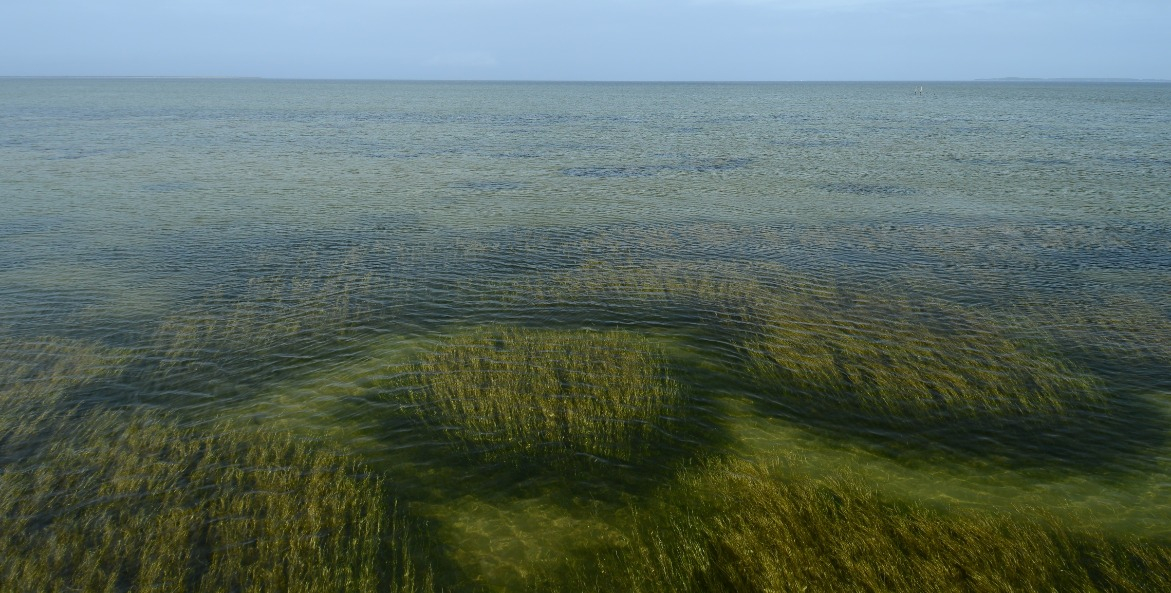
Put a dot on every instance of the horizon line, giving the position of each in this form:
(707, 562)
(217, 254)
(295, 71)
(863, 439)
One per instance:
(583, 80)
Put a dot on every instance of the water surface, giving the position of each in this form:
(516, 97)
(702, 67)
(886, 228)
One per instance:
(290, 254)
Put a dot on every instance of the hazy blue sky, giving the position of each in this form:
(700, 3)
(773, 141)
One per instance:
(589, 39)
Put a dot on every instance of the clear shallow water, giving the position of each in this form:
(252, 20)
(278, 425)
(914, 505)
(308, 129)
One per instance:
(283, 253)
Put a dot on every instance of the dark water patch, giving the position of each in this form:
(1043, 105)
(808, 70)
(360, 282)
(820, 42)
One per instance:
(522, 131)
(713, 165)
(516, 155)
(814, 143)
(487, 186)
(12, 140)
(381, 150)
(982, 161)
(732, 119)
(1051, 250)
(170, 187)
(394, 152)
(1047, 162)
(1142, 162)
(80, 312)
(615, 172)
(690, 166)
(370, 227)
(972, 130)
(34, 225)
(552, 145)
(77, 153)
(869, 189)
(497, 120)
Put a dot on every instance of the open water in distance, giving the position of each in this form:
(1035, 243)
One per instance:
(301, 255)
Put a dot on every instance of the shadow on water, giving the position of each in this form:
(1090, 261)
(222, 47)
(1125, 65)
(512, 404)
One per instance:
(916, 378)
(1124, 434)
(43, 382)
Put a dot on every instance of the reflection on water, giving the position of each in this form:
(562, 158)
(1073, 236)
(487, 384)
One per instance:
(243, 331)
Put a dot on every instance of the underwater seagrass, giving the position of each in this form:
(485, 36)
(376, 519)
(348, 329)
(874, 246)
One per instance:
(116, 500)
(35, 377)
(508, 390)
(300, 309)
(136, 502)
(647, 288)
(1123, 333)
(881, 354)
(737, 526)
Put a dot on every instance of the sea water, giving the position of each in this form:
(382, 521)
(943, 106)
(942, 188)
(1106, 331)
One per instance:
(282, 252)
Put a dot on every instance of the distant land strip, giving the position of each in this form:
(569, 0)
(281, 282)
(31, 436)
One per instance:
(1024, 79)
(115, 76)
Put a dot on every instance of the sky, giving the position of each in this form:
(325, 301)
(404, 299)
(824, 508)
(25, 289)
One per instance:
(705, 40)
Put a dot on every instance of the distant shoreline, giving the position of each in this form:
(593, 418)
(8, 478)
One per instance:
(1001, 79)
(140, 77)
(1024, 79)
